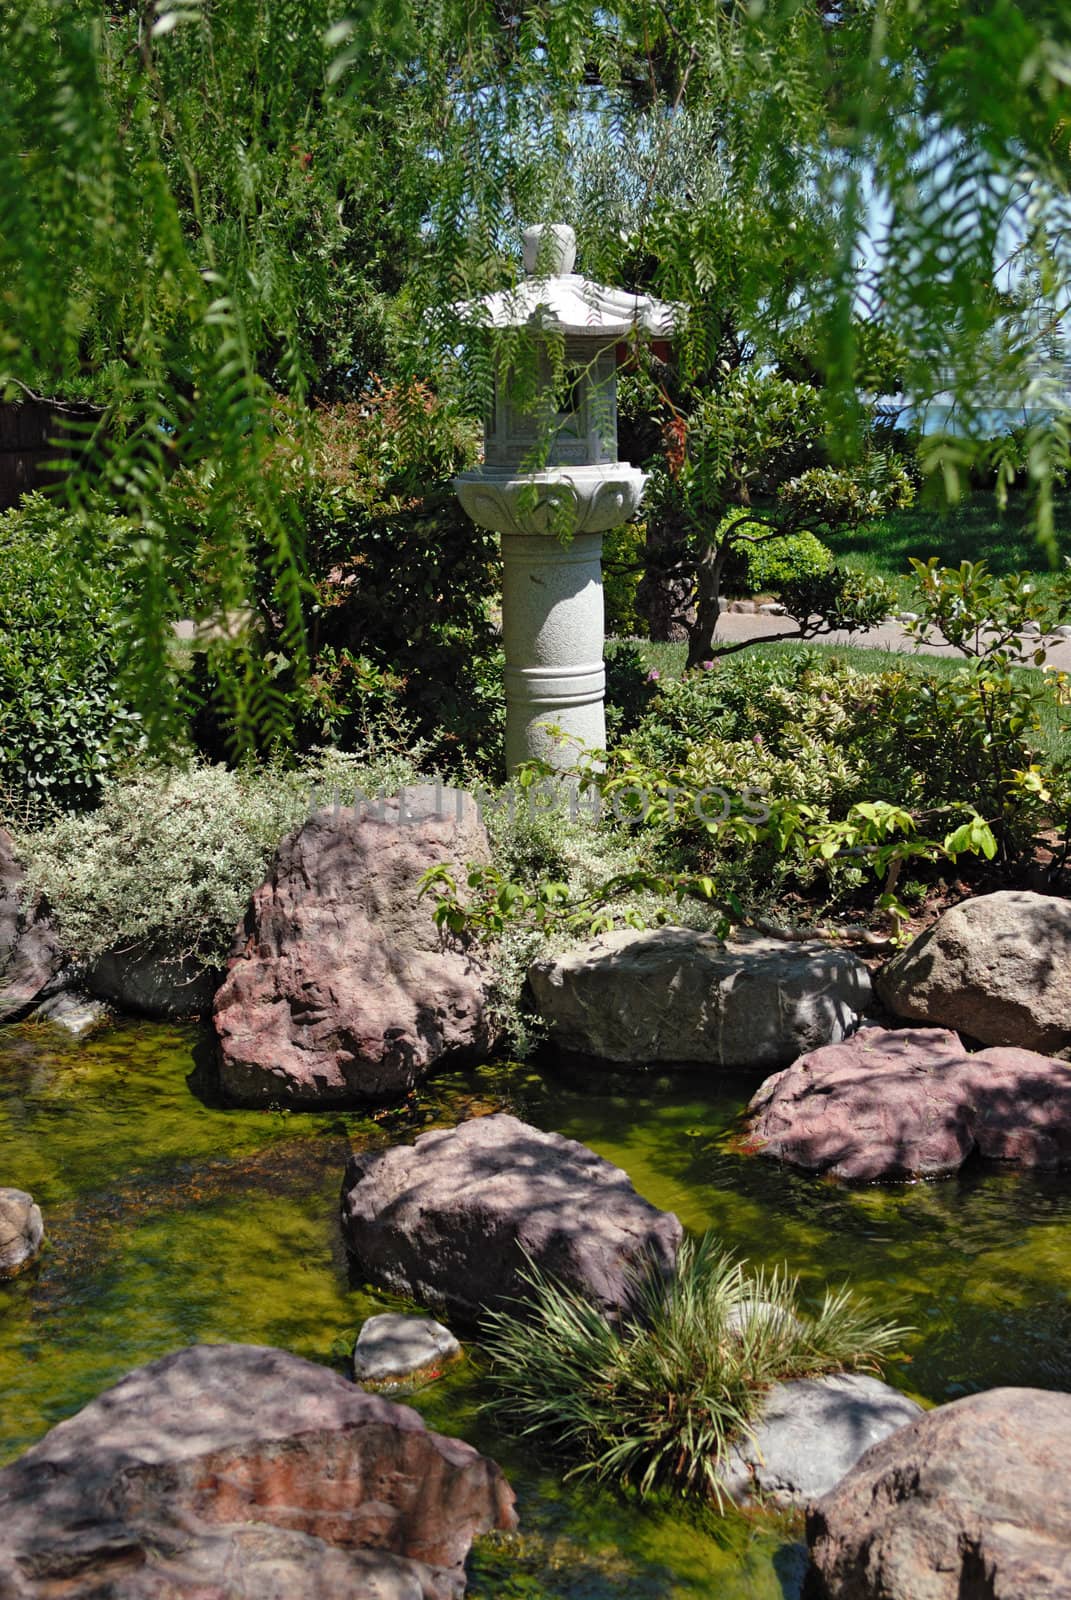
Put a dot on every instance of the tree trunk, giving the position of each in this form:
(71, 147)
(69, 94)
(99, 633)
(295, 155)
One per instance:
(707, 610)
(664, 593)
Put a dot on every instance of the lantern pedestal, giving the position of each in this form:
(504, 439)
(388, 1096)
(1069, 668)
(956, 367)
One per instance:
(552, 525)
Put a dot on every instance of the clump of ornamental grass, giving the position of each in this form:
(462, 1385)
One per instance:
(659, 1399)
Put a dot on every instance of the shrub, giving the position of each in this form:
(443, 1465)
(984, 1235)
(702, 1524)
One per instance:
(400, 582)
(777, 698)
(622, 569)
(405, 580)
(629, 687)
(530, 845)
(64, 724)
(771, 564)
(848, 497)
(844, 598)
(810, 728)
(660, 1398)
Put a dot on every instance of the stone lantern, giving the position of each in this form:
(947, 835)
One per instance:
(552, 520)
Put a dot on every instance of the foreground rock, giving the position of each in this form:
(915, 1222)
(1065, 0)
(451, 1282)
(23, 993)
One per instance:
(448, 1220)
(154, 982)
(811, 1432)
(22, 1231)
(392, 1348)
(31, 960)
(997, 967)
(675, 996)
(970, 1502)
(233, 1470)
(910, 1103)
(341, 991)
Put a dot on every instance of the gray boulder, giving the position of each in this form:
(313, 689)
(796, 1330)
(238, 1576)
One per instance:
(449, 1220)
(153, 981)
(22, 1231)
(341, 989)
(392, 1348)
(31, 961)
(971, 1501)
(997, 968)
(811, 1432)
(674, 996)
(226, 1470)
(911, 1102)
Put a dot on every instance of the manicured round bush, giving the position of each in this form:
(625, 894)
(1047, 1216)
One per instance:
(787, 558)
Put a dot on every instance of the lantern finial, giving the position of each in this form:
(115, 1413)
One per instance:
(558, 258)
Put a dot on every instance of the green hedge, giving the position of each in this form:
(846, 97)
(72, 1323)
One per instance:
(64, 724)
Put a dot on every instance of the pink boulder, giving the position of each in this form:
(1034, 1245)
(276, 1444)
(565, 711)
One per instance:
(971, 1501)
(910, 1103)
(342, 990)
(453, 1219)
(207, 1472)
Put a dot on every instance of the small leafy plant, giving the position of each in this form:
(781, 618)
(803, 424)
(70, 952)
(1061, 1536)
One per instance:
(660, 1399)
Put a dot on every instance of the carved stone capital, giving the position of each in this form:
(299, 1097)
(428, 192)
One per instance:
(559, 502)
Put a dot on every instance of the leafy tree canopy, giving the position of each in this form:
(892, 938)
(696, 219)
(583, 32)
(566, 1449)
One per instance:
(204, 203)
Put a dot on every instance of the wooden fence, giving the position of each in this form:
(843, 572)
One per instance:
(34, 434)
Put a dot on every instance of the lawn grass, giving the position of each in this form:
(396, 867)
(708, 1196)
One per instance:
(973, 530)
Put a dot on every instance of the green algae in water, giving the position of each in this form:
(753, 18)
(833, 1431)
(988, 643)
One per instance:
(173, 1220)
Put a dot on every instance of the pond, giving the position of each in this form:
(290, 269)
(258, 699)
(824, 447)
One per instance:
(173, 1219)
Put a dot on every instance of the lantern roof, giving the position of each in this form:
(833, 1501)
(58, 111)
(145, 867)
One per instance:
(555, 299)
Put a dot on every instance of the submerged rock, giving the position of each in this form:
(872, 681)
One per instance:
(342, 991)
(997, 967)
(223, 1470)
(75, 1012)
(449, 1220)
(31, 960)
(674, 996)
(392, 1348)
(811, 1432)
(971, 1501)
(22, 1231)
(911, 1102)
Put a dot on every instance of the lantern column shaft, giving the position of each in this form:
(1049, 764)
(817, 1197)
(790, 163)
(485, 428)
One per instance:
(552, 632)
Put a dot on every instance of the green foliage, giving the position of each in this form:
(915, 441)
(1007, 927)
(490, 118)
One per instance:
(771, 564)
(840, 599)
(272, 200)
(732, 509)
(825, 734)
(767, 703)
(403, 582)
(550, 859)
(746, 778)
(166, 854)
(989, 714)
(847, 498)
(744, 438)
(396, 585)
(65, 723)
(659, 1399)
(622, 566)
(630, 686)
